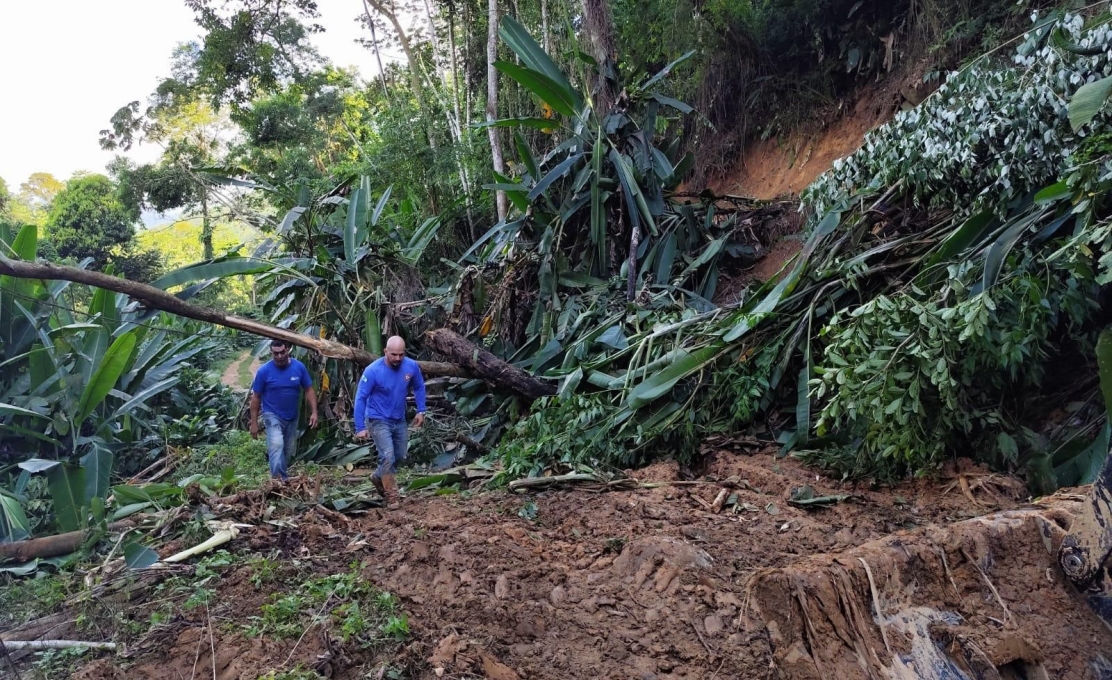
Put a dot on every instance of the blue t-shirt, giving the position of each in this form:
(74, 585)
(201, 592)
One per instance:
(280, 388)
(382, 391)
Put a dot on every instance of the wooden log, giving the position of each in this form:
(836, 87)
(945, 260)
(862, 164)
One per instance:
(49, 546)
(485, 365)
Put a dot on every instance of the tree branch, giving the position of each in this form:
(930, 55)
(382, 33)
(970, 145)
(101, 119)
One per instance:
(473, 362)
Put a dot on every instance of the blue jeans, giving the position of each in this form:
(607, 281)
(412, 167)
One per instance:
(391, 438)
(281, 443)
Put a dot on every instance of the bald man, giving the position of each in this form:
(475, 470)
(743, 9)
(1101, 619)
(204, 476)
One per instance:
(380, 412)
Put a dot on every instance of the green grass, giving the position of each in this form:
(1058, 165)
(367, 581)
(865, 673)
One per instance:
(245, 376)
(246, 456)
(355, 611)
(23, 599)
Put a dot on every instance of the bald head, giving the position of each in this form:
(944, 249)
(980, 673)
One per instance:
(395, 351)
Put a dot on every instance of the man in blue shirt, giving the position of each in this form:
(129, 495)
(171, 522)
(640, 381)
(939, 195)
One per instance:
(276, 392)
(380, 412)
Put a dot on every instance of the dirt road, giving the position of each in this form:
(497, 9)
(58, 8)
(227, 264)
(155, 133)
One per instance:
(647, 583)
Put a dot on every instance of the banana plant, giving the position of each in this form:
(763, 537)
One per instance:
(77, 386)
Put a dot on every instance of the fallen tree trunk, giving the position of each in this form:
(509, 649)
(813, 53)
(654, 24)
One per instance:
(49, 546)
(485, 365)
(490, 368)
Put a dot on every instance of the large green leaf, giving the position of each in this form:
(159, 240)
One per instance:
(9, 409)
(541, 85)
(98, 473)
(1085, 460)
(967, 235)
(292, 216)
(523, 45)
(216, 269)
(663, 73)
(13, 521)
(13, 331)
(381, 205)
(1104, 363)
(140, 398)
(105, 375)
(67, 489)
(138, 556)
(635, 200)
(421, 239)
(526, 156)
(543, 124)
(998, 251)
(598, 207)
(373, 330)
(1088, 101)
(355, 226)
(554, 174)
(659, 384)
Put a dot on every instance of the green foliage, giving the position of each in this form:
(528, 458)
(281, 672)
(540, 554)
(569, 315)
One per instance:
(88, 220)
(24, 599)
(357, 611)
(57, 663)
(916, 332)
(237, 451)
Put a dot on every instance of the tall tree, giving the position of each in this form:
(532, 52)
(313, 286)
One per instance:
(87, 219)
(191, 134)
(599, 28)
(251, 46)
(501, 201)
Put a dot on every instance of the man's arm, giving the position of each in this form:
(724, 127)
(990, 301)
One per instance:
(361, 394)
(311, 399)
(310, 395)
(255, 404)
(419, 395)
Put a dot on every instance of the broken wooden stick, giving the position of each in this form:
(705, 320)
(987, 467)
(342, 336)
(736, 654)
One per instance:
(14, 645)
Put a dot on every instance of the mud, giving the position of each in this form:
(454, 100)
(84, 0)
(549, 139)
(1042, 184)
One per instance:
(787, 164)
(652, 584)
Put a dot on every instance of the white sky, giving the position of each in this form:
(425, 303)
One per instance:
(66, 66)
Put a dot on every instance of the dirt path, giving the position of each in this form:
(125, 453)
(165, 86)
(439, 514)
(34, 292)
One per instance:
(651, 584)
(231, 376)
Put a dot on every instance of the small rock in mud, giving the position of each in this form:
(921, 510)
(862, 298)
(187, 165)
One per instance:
(496, 670)
(713, 625)
(558, 595)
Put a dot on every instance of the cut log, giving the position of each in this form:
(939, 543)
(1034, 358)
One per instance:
(485, 365)
(49, 546)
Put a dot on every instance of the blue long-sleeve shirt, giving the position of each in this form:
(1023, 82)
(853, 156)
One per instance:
(383, 390)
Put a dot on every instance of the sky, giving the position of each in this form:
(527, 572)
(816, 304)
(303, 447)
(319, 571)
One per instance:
(66, 67)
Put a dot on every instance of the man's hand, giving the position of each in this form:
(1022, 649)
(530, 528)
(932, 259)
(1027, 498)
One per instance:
(419, 420)
(254, 429)
(362, 434)
(312, 420)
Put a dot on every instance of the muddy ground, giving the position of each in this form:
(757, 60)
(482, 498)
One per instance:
(652, 583)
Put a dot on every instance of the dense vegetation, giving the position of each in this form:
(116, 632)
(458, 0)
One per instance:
(533, 186)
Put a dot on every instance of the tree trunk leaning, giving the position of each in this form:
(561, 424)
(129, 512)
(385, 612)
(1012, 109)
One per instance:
(485, 365)
(489, 367)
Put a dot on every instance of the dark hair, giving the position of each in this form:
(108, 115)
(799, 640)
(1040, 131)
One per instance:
(278, 343)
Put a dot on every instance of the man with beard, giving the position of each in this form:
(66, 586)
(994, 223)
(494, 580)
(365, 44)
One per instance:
(380, 412)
